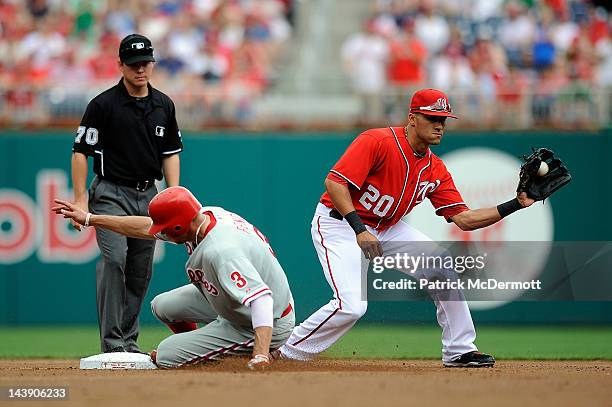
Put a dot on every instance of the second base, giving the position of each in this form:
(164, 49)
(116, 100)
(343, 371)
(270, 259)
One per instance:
(118, 360)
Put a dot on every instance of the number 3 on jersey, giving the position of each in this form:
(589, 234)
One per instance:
(238, 279)
(372, 196)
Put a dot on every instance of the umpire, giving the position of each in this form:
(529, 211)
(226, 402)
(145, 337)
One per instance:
(131, 132)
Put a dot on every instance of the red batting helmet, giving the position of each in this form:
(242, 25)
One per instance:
(172, 210)
(431, 102)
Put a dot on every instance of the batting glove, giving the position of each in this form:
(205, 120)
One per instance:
(258, 362)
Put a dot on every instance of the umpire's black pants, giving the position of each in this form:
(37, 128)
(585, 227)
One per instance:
(124, 269)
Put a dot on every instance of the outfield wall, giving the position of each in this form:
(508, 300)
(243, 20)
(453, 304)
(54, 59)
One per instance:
(273, 180)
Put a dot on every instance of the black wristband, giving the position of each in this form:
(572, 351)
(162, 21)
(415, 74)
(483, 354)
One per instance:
(355, 221)
(509, 207)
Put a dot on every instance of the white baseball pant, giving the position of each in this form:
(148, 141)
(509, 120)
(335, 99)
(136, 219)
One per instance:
(341, 259)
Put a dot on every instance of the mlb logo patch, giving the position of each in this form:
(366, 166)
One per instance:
(159, 131)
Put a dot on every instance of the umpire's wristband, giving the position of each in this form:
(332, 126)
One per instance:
(509, 207)
(355, 221)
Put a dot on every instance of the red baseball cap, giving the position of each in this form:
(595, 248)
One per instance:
(431, 102)
(172, 210)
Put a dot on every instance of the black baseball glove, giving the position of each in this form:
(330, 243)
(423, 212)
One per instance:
(540, 187)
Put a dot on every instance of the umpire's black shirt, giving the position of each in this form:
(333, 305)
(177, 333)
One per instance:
(128, 136)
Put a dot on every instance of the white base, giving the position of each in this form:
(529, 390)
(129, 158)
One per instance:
(118, 360)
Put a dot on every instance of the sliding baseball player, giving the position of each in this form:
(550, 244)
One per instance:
(238, 293)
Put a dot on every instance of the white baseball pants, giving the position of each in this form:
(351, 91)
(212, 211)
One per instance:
(341, 259)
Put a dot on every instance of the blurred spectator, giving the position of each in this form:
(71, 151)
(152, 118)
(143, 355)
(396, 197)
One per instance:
(543, 50)
(512, 99)
(516, 34)
(226, 47)
(21, 97)
(156, 26)
(407, 59)
(603, 74)
(488, 61)
(212, 64)
(38, 8)
(229, 51)
(184, 38)
(406, 69)
(548, 89)
(365, 57)
(597, 25)
(167, 63)
(67, 71)
(581, 58)
(451, 70)
(431, 28)
(103, 62)
(119, 20)
(43, 44)
(575, 103)
(564, 31)
(484, 10)
(84, 21)
(508, 62)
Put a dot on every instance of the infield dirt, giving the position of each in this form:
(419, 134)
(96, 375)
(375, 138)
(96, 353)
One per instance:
(323, 383)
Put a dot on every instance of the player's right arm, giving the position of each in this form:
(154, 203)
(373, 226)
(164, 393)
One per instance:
(130, 226)
(351, 171)
(473, 219)
(242, 284)
(341, 198)
(448, 203)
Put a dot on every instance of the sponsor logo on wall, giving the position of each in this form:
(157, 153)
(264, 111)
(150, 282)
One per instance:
(28, 227)
(486, 177)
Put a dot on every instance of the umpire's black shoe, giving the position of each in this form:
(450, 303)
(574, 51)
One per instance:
(117, 349)
(472, 359)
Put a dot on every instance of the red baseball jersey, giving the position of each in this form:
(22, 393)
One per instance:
(387, 179)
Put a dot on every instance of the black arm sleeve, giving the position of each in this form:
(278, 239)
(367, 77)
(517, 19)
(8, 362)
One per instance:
(89, 134)
(173, 143)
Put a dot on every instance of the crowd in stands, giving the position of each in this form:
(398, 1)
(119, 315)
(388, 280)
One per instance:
(539, 62)
(220, 52)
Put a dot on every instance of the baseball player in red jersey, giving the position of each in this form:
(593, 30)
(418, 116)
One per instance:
(382, 175)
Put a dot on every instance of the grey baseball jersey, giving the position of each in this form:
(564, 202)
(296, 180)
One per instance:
(234, 265)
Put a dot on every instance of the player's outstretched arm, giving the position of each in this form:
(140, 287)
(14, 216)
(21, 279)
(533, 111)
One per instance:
(131, 226)
(473, 219)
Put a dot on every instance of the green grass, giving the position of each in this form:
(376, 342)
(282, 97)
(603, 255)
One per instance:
(505, 342)
(364, 341)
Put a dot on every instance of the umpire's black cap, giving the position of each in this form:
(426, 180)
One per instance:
(135, 48)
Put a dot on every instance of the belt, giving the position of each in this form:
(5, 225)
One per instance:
(139, 185)
(287, 311)
(335, 214)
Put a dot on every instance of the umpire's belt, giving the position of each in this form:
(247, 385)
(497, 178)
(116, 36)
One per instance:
(139, 185)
